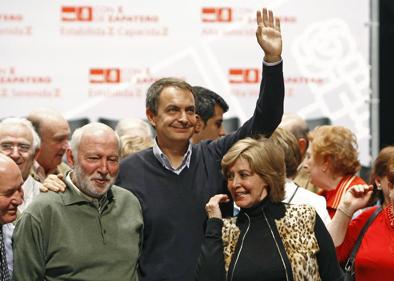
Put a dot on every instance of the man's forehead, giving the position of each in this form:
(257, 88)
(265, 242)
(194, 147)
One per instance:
(98, 139)
(54, 131)
(53, 124)
(175, 95)
(14, 132)
(11, 177)
(10, 185)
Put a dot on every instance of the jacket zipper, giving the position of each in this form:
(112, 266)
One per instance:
(240, 248)
(277, 246)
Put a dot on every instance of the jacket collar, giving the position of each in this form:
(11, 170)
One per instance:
(71, 196)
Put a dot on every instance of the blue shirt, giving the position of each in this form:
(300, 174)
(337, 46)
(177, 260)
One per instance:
(163, 159)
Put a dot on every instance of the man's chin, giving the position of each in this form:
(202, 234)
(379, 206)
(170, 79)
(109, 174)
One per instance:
(183, 136)
(8, 218)
(99, 191)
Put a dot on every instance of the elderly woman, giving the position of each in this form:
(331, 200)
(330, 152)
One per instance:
(135, 135)
(269, 240)
(295, 194)
(375, 257)
(333, 163)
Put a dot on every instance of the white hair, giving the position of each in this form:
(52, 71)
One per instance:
(77, 135)
(133, 127)
(27, 124)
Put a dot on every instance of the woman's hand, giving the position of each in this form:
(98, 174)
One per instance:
(269, 36)
(212, 207)
(356, 197)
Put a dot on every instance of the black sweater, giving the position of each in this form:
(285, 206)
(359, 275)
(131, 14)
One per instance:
(258, 257)
(173, 205)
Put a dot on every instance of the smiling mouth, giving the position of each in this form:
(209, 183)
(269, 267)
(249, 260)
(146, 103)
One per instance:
(240, 194)
(183, 128)
(101, 181)
(12, 211)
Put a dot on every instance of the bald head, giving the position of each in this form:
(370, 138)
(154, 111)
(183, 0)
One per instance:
(54, 131)
(6, 164)
(296, 125)
(42, 116)
(11, 194)
(94, 154)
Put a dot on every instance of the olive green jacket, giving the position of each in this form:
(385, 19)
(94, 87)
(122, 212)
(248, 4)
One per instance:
(63, 236)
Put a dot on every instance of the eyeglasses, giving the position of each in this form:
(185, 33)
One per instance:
(9, 147)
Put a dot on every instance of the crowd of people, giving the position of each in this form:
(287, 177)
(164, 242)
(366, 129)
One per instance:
(186, 201)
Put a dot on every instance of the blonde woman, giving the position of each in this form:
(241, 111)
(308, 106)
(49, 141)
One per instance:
(135, 135)
(269, 240)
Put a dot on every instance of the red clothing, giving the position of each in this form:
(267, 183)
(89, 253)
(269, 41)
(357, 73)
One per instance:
(333, 197)
(375, 257)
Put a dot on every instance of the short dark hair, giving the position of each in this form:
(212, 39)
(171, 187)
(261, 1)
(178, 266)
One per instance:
(153, 93)
(207, 100)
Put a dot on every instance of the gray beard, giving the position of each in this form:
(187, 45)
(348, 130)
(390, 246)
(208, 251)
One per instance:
(86, 187)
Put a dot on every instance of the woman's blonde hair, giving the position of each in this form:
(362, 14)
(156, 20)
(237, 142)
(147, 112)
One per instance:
(265, 158)
(135, 135)
(337, 144)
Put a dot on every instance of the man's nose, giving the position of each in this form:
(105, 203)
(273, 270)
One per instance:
(65, 145)
(183, 116)
(222, 132)
(14, 153)
(17, 198)
(103, 168)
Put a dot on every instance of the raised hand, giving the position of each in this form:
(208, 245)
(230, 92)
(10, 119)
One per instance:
(212, 207)
(269, 36)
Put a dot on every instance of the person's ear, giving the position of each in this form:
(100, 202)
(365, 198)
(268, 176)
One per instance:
(70, 157)
(151, 117)
(36, 154)
(303, 145)
(198, 127)
(325, 165)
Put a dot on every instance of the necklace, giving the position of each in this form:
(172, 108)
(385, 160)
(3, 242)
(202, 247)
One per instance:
(390, 215)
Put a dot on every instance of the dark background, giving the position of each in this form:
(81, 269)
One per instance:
(386, 72)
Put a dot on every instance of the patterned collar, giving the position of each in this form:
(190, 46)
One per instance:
(163, 159)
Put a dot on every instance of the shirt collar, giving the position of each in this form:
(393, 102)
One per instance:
(163, 159)
(38, 172)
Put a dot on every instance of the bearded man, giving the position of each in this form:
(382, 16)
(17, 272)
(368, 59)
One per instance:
(91, 231)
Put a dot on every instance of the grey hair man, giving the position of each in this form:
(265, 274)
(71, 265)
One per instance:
(92, 230)
(54, 131)
(21, 143)
(296, 125)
